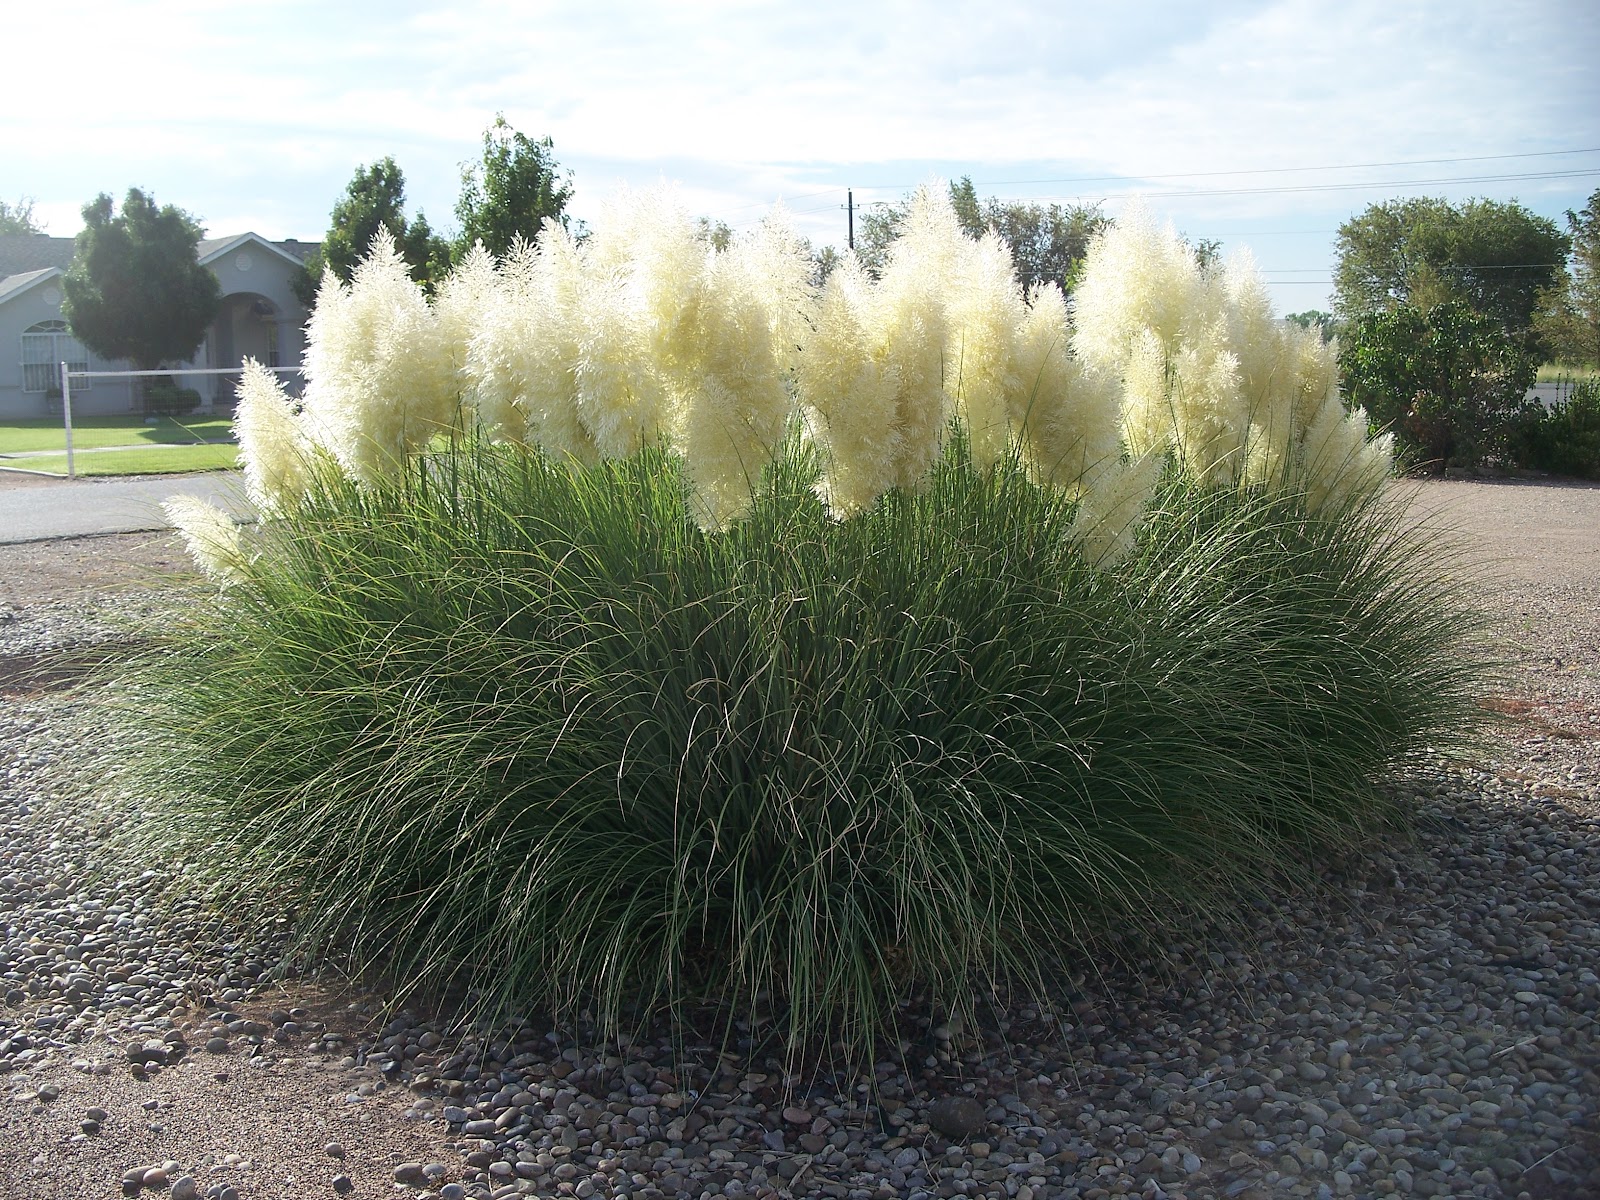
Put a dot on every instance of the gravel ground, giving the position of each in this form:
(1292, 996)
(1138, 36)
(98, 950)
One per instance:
(1427, 1026)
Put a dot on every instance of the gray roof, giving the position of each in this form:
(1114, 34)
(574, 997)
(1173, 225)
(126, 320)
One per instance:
(20, 252)
(210, 248)
(301, 250)
(12, 284)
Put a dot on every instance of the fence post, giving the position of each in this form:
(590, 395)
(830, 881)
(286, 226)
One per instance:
(66, 414)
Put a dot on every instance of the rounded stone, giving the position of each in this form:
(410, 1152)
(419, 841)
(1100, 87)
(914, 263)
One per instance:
(957, 1116)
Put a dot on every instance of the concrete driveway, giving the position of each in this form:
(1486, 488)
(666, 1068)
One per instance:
(37, 508)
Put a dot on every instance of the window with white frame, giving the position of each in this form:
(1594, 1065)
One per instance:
(45, 347)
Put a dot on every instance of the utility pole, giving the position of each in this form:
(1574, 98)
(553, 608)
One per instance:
(850, 208)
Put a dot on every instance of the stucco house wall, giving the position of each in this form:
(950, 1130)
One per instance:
(259, 318)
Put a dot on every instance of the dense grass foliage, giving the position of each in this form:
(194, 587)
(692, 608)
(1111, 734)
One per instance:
(1564, 439)
(529, 727)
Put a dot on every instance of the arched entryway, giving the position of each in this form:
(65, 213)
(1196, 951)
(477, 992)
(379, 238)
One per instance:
(248, 325)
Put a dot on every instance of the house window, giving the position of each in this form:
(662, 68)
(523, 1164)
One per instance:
(45, 347)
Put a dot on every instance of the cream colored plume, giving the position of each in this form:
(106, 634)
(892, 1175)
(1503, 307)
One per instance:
(1066, 416)
(380, 381)
(849, 393)
(1112, 507)
(1337, 459)
(211, 536)
(274, 448)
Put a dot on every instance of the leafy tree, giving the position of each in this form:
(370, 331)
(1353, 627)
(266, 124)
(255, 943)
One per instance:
(964, 199)
(1569, 323)
(509, 193)
(18, 218)
(716, 234)
(1496, 258)
(305, 282)
(136, 288)
(1207, 252)
(374, 199)
(1450, 382)
(1047, 242)
(823, 263)
(1316, 319)
(877, 227)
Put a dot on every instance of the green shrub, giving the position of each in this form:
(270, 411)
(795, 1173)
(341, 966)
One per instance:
(164, 398)
(1448, 381)
(1565, 439)
(528, 727)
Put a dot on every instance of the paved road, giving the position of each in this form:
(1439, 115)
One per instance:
(59, 509)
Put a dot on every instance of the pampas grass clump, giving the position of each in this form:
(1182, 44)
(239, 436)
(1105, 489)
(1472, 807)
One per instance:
(635, 627)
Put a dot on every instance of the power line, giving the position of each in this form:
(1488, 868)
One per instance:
(1251, 191)
(1413, 162)
(781, 199)
(1247, 191)
(1345, 187)
(1441, 266)
(1327, 187)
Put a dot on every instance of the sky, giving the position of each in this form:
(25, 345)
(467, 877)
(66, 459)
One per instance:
(1262, 124)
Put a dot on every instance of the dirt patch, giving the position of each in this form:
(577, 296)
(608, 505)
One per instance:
(31, 674)
(259, 1117)
(1571, 721)
(1543, 531)
(15, 480)
(84, 568)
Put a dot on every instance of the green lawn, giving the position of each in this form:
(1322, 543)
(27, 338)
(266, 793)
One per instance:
(1555, 373)
(46, 433)
(158, 460)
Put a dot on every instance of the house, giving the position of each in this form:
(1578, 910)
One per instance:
(260, 318)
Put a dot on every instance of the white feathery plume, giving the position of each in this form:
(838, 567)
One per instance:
(1337, 459)
(911, 337)
(1111, 508)
(732, 379)
(1137, 278)
(986, 312)
(1066, 416)
(379, 380)
(211, 536)
(849, 394)
(461, 304)
(274, 448)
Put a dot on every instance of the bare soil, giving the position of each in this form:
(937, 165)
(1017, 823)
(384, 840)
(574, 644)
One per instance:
(86, 568)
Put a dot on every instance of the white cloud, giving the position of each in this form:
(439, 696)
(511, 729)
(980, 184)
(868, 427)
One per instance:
(261, 112)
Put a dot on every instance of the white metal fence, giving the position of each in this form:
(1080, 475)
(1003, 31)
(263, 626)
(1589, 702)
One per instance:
(68, 375)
